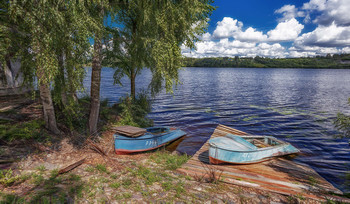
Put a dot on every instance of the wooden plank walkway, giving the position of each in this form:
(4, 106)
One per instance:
(277, 175)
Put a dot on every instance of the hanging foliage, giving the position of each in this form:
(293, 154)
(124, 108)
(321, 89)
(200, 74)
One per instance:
(151, 34)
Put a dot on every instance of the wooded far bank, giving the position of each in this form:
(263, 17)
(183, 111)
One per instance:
(336, 61)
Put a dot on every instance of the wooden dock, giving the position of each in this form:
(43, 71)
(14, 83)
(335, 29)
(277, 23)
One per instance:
(277, 175)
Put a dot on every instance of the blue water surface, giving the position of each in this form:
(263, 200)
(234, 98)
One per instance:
(295, 105)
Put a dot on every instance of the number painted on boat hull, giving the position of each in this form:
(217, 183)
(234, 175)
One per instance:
(151, 143)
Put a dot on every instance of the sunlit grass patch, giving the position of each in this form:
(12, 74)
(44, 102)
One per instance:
(115, 185)
(41, 168)
(7, 177)
(126, 182)
(167, 185)
(89, 169)
(149, 176)
(102, 168)
(169, 161)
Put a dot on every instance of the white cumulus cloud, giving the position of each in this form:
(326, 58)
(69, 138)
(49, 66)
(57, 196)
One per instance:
(332, 11)
(287, 30)
(289, 12)
(250, 35)
(206, 37)
(326, 36)
(330, 36)
(227, 28)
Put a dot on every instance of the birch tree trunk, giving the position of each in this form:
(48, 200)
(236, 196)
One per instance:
(46, 101)
(95, 86)
(62, 79)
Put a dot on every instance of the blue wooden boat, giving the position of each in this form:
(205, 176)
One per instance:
(154, 137)
(247, 149)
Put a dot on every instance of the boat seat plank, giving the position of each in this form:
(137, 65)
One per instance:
(130, 131)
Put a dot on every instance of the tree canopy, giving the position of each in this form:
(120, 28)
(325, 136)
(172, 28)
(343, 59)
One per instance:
(52, 40)
(150, 35)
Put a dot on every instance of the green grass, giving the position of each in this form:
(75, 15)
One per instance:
(148, 175)
(170, 161)
(179, 189)
(7, 178)
(10, 198)
(37, 179)
(24, 131)
(41, 168)
(115, 185)
(167, 185)
(123, 196)
(126, 182)
(51, 189)
(89, 169)
(57, 189)
(102, 168)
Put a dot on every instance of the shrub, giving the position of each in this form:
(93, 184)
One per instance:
(7, 178)
(134, 112)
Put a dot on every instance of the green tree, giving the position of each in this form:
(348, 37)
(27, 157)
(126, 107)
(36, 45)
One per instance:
(98, 11)
(151, 34)
(47, 31)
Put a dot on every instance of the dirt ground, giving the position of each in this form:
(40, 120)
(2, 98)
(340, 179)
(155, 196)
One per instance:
(31, 171)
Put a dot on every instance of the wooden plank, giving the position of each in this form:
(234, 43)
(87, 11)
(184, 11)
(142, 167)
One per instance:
(277, 175)
(129, 130)
(71, 167)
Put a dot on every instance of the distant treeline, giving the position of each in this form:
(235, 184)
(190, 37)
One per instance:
(338, 61)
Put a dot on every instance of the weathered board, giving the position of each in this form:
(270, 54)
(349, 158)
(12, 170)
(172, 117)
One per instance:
(277, 175)
(130, 130)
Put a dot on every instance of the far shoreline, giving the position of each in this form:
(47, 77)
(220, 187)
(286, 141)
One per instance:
(333, 68)
(319, 62)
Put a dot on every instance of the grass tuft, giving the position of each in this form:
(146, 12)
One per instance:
(7, 178)
(171, 162)
(102, 168)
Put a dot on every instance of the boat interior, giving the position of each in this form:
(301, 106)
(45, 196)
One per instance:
(157, 130)
(262, 142)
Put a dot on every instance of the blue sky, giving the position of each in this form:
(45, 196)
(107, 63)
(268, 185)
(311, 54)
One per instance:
(276, 28)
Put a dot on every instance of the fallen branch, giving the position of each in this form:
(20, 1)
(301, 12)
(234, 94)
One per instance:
(96, 148)
(71, 167)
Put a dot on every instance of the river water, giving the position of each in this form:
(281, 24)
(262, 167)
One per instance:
(295, 105)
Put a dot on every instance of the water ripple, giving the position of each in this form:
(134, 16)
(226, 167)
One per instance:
(295, 105)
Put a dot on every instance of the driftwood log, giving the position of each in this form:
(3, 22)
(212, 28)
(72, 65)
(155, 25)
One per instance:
(71, 167)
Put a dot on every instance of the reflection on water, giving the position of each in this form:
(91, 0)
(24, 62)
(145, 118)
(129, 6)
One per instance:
(295, 105)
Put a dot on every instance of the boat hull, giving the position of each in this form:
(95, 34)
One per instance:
(219, 153)
(126, 145)
(218, 161)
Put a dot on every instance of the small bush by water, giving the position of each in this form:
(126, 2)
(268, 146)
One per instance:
(134, 112)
